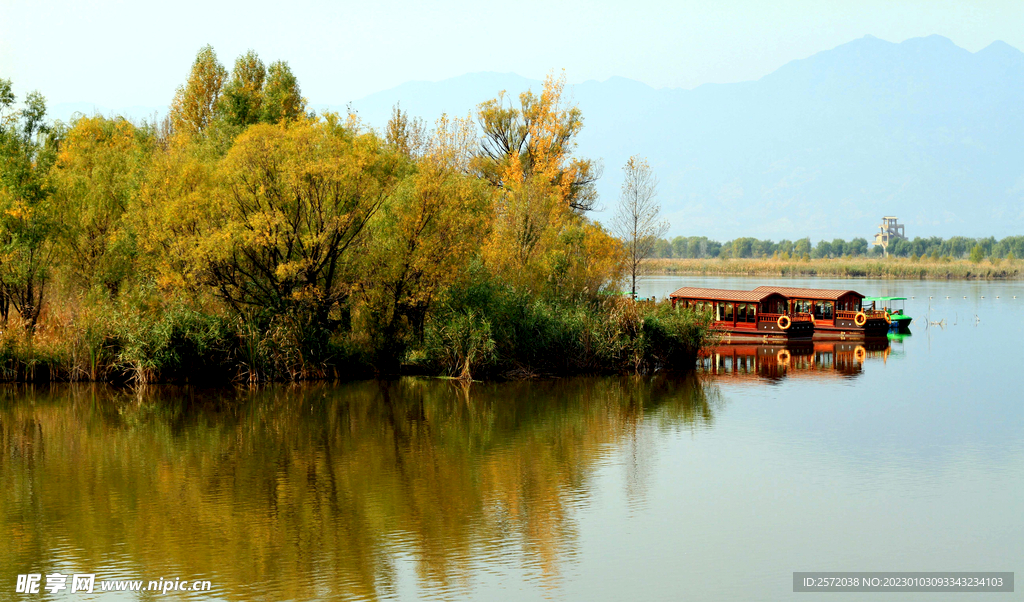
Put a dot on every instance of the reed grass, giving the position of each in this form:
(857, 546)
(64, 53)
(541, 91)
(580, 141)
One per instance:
(847, 267)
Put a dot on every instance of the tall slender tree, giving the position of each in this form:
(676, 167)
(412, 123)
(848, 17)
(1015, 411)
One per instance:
(242, 101)
(282, 98)
(26, 224)
(637, 220)
(193, 107)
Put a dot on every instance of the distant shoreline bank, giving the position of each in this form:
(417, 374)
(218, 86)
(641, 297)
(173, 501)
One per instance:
(850, 267)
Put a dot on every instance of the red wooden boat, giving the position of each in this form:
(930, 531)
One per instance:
(837, 314)
(753, 316)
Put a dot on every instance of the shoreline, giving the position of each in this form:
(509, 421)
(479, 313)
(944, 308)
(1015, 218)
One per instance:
(850, 267)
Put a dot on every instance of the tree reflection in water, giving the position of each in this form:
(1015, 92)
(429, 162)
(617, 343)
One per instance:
(315, 491)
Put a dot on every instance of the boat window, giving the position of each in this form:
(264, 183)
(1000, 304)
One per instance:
(728, 312)
(802, 306)
(741, 312)
(826, 309)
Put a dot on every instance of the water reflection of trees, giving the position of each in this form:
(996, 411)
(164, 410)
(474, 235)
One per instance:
(307, 492)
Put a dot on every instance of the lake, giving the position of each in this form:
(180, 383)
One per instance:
(713, 485)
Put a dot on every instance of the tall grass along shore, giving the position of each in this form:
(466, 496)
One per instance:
(846, 267)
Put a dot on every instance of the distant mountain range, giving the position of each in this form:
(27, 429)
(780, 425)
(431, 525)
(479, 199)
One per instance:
(823, 147)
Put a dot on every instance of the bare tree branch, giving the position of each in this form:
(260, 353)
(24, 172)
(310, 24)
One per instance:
(637, 221)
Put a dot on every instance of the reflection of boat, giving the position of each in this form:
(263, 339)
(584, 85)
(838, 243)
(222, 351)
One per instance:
(837, 314)
(746, 315)
(824, 359)
(899, 320)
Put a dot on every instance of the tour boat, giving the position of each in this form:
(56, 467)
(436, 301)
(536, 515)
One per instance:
(899, 321)
(837, 314)
(741, 316)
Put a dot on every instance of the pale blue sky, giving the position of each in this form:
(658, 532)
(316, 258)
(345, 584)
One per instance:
(118, 53)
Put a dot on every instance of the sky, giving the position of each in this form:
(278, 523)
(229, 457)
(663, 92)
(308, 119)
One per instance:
(120, 54)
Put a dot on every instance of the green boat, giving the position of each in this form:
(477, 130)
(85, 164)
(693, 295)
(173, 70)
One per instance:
(899, 321)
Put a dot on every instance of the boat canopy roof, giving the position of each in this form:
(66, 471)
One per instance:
(718, 294)
(808, 293)
(885, 298)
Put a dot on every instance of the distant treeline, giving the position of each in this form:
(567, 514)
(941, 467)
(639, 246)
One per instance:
(957, 247)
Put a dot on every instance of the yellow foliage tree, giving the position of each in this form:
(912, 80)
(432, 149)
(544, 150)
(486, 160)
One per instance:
(192, 109)
(274, 225)
(175, 213)
(425, 235)
(541, 191)
(537, 138)
(99, 171)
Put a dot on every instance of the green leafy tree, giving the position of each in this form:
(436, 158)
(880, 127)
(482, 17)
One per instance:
(822, 250)
(242, 100)
(282, 99)
(26, 222)
(977, 253)
(900, 248)
(679, 248)
(662, 249)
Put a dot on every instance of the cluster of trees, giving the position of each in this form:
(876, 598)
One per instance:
(957, 247)
(249, 231)
(700, 247)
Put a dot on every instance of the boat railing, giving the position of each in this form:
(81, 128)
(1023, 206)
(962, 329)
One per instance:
(843, 314)
(769, 317)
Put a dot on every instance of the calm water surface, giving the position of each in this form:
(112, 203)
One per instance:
(713, 486)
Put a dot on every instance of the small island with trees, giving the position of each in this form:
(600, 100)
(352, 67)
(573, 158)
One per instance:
(245, 238)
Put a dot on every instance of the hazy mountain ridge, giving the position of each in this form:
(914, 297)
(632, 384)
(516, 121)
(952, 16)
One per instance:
(822, 147)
